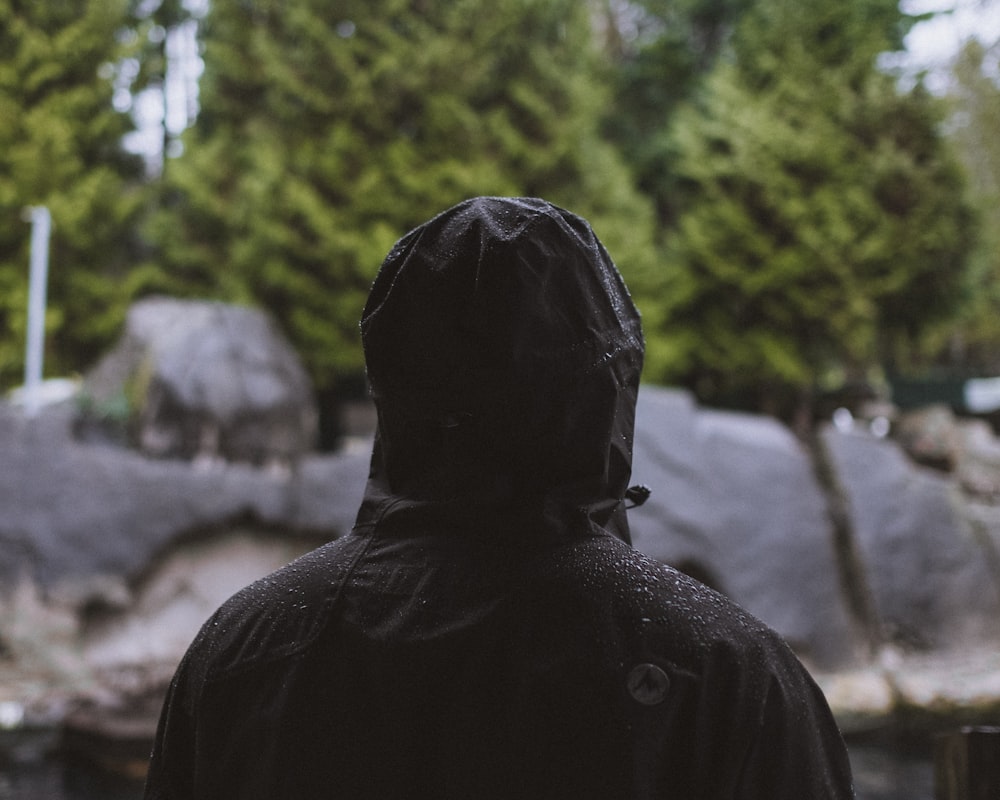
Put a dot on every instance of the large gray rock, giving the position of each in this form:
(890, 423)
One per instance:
(929, 569)
(109, 557)
(110, 560)
(71, 510)
(736, 504)
(209, 380)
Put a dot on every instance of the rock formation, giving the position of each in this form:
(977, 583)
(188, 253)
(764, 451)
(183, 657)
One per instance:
(864, 559)
(207, 380)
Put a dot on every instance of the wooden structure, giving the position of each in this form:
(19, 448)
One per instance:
(967, 764)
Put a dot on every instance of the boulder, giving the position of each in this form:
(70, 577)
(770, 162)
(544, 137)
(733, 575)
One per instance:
(110, 559)
(735, 503)
(928, 567)
(207, 380)
(71, 511)
(930, 436)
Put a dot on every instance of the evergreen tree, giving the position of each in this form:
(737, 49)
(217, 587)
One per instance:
(822, 224)
(60, 146)
(973, 346)
(661, 51)
(329, 129)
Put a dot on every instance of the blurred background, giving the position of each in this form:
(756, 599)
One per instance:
(803, 197)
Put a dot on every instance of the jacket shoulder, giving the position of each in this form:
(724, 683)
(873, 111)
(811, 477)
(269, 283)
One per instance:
(659, 609)
(274, 617)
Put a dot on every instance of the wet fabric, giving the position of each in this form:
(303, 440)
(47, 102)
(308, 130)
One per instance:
(486, 630)
(504, 352)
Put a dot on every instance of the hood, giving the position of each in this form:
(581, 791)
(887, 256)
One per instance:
(503, 353)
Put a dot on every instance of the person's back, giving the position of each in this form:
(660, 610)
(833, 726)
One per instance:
(486, 630)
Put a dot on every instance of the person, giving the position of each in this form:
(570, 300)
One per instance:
(486, 630)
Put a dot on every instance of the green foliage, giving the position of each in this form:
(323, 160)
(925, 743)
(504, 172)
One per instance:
(60, 146)
(810, 218)
(973, 345)
(329, 129)
(661, 51)
(822, 226)
(776, 37)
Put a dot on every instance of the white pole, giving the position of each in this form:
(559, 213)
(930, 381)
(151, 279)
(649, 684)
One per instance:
(41, 227)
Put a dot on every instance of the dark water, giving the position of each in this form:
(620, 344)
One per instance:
(55, 780)
(29, 770)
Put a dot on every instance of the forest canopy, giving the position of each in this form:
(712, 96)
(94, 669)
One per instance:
(789, 214)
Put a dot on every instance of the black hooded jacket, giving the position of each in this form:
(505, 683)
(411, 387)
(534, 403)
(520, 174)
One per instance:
(486, 630)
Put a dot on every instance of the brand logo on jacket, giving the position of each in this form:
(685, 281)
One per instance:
(648, 684)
